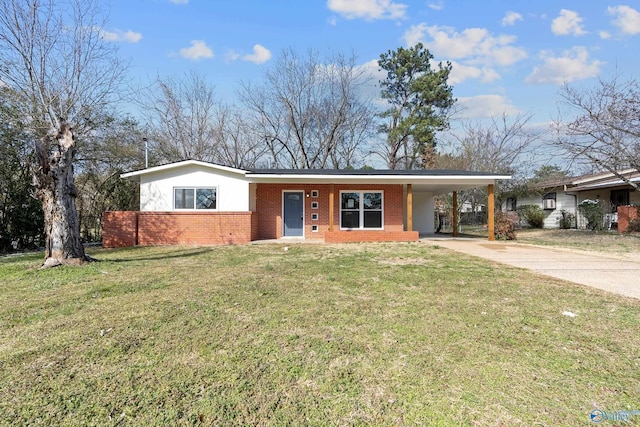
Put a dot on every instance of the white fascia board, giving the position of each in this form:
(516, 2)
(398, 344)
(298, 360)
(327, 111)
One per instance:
(603, 176)
(138, 173)
(616, 183)
(377, 179)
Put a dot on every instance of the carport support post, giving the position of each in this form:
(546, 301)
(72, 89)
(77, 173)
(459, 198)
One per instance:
(409, 208)
(454, 214)
(491, 212)
(331, 207)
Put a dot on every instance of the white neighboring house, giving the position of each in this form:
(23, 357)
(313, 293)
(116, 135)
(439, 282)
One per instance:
(564, 195)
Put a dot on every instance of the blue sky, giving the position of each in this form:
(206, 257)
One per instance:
(508, 56)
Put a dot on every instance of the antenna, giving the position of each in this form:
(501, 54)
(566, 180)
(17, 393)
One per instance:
(146, 153)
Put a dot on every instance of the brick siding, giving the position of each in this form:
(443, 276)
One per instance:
(211, 228)
(177, 228)
(625, 215)
(269, 207)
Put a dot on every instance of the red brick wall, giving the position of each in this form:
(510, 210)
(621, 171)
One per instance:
(625, 215)
(119, 229)
(176, 228)
(269, 208)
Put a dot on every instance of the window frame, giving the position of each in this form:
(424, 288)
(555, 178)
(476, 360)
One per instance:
(361, 210)
(195, 198)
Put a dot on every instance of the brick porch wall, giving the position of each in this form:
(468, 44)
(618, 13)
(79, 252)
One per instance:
(269, 208)
(177, 228)
(370, 236)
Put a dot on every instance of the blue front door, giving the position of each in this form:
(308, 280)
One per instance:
(293, 213)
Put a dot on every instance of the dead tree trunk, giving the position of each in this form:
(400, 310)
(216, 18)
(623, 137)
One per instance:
(53, 180)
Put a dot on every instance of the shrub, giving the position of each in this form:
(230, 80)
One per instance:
(593, 211)
(634, 226)
(533, 214)
(505, 225)
(568, 220)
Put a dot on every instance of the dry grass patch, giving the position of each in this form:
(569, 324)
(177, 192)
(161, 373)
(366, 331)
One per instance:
(626, 246)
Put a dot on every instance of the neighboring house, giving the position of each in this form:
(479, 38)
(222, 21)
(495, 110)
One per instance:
(193, 202)
(564, 195)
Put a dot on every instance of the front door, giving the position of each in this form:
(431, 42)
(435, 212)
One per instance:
(293, 208)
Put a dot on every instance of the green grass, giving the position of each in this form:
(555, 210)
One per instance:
(381, 334)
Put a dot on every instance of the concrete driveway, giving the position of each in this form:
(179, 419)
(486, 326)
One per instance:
(591, 269)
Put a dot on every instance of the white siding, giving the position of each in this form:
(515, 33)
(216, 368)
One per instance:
(156, 189)
(424, 213)
(566, 202)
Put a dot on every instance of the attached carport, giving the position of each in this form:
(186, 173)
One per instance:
(425, 186)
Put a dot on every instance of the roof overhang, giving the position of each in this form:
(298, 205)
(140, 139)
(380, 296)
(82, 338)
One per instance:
(433, 181)
(135, 175)
(436, 184)
(607, 184)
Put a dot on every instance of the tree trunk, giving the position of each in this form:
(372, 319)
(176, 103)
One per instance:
(53, 180)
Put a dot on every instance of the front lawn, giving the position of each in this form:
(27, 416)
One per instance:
(380, 334)
(599, 241)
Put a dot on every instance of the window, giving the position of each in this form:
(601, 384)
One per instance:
(361, 209)
(314, 217)
(314, 193)
(314, 205)
(194, 198)
(314, 228)
(619, 198)
(512, 203)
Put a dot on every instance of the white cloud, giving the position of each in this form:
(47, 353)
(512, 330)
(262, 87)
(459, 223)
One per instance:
(475, 45)
(436, 5)
(568, 23)
(260, 55)
(179, 1)
(510, 18)
(604, 35)
(197, 50)
(371, 69)
(231, 56)
(460, 73)
(573, 65)
(626, 19)
(368, 9)
(415, 34)
(484, 106)
(121, 36)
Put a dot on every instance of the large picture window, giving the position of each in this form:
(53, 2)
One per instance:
(194, 198)
(361, 209)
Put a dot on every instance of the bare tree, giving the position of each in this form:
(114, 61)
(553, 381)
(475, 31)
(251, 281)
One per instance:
(605, 132)
(308, 111)
(179, 113)
(494, 146)
(185, 120)
(236, 145)
(54, 57)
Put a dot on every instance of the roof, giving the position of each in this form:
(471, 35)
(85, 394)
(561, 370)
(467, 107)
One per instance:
(369, 172)
(436, 181)
(590, 181)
